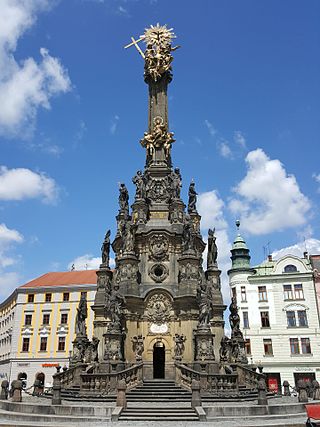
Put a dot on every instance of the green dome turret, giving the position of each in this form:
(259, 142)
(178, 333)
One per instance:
(240, 254)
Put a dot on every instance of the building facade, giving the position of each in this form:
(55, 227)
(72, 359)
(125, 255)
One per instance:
(279, 316)
(37, 324)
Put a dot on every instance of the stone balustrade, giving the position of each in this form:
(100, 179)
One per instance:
(219, 384)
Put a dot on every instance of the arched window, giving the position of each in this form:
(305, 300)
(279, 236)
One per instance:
(290, 268)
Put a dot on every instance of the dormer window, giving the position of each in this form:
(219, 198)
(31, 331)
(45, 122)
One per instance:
(290, 268)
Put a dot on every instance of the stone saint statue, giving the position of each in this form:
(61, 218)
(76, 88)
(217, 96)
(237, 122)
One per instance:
(175, 183)
(204, 298)
(82, 314)
(188, 236)
(179, 341)
(212, 249)
(234, 319)
(128, 238)
(138, 346)
(192, 199)
(105, 249)
(140, 184)
(123, 198)
(115, 303)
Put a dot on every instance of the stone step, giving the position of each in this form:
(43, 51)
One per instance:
(158, 418)
(153, 409)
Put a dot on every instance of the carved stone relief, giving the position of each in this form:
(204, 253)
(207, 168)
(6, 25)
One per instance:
(158, 309)
(159, 246)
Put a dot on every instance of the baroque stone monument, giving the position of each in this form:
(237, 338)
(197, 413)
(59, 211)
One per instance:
(159, 290)
(159, 312)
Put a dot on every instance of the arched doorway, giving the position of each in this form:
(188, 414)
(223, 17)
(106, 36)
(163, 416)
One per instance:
(159, 359)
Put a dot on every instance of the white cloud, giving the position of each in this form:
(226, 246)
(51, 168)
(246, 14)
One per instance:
(210, 127)
(25, 86)
(8, 282)
(239, 139)
(21, 183)
(225, 150)
(88, 262)
(311, 245)
(316, 177)
(8, 238)
(114, 124)
(268, 199)
(211, 207)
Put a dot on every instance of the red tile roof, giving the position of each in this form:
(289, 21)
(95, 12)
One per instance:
(64, 278)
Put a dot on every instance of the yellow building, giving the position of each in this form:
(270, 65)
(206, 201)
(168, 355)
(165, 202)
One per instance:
(37, 324)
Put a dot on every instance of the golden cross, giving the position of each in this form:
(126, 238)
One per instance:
(135, 43)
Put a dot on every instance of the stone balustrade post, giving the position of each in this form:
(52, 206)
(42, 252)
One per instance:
(302, 390)
(286, 388)
(196, 397)
(262, 392)
(4, 390)
(56, 390)
(121, 394)
(16, 390)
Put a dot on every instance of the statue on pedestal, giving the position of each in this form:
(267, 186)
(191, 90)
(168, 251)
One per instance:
(175, 180)
(105, 249)
(140, 184)
(234, 319)
(128, 238)
(204, 298)
(212, 249)
(188, 235)
(115, 305)
(82, 314)
(179, 341)
(123, 199)
(192, 208)
(138, 346)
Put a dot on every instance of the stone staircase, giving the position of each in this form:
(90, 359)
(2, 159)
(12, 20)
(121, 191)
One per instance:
(150, 402)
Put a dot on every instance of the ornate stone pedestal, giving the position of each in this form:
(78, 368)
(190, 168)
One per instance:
(113, 345)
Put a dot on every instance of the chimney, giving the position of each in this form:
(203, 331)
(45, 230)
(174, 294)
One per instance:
(269, 258)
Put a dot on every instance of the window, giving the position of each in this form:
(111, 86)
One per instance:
(247, 346)
(48, 297)
(25, 344)
(64, 318)
(298, 291)
(84, 294)
(43, 343)
(46, 319)
(291, 319)
(290, 268)
(302, 319)
(66, 296)
(305, 346)
(265, 323)
(245, 319)
(61, 343)
(267, 344)
(30, 297)
(262, 293)
(234, 293)
(294, 346)
(287, 292)
(28, 319)
(243, 294)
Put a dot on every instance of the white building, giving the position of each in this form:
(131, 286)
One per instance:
(279, 315)
(37, 324)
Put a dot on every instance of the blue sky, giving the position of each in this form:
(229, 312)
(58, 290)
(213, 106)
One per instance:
(244, 106)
